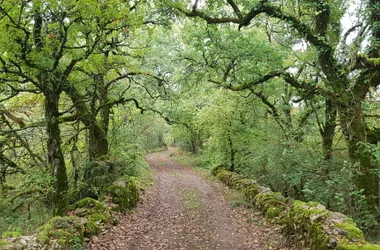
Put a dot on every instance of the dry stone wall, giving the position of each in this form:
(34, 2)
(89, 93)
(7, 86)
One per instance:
(309, 223)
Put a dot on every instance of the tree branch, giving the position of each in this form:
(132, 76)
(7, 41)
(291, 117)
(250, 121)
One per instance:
(250, 84)
(235, 8)
(208, 19)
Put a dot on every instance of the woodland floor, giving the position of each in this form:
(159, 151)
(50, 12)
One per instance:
(184, 210)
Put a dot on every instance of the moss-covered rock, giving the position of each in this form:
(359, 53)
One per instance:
(90, 205)
(3, 244)
(313, 226)
(306, 221)
(215, 170)
(357, 246)
(273, 200)
(273, 212)
(250, 192)
(124, 193)
(353, 233)
(87, 217)
(95, 212)
(98, 175)
(65, 231)
(225, 176)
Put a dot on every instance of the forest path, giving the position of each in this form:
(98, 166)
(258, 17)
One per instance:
(184, 211)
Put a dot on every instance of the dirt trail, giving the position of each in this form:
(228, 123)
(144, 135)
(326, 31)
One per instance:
(184, 211)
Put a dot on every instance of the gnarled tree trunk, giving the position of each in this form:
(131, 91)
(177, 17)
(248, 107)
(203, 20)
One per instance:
(328, 130)
(354, 129)
(54, 152)
(98, 143)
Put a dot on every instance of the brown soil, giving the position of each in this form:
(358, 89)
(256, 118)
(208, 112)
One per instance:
(184, 211)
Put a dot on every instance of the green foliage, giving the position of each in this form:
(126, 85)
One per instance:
(98, 175)
(165, 80)
(131, 156)
(15, 233)
(22, 220)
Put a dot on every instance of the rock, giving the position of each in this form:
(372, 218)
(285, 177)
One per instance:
(120, 183)
(18, 247)
(332, 243)
(94, 239)
(23, 242)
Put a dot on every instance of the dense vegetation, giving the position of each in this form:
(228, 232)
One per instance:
(282, 91)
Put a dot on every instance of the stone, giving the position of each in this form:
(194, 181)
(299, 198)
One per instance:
(18, 247)
(332, 243)
(23, 242)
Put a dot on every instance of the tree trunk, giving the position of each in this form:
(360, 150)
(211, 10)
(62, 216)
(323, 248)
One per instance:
(375, 27)
(98, 143)
(2, 189)
(54, 153)
(194, 141)
(2, 176)
(73, 157)
(106, 109)
(232, 154)
(354, 129)
(328, 131)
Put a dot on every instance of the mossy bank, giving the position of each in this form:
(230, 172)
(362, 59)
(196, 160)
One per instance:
(309, 223)
(86, 218)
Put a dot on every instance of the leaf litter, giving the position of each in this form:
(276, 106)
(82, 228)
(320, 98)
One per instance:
(183, 211)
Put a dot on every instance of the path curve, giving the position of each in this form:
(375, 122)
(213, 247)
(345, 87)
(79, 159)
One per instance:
(183, 211)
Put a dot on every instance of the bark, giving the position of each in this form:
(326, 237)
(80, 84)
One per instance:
(375, 25)
(354, 129)
(73, 157)
(2, 182)
(98, 143)
(328, 130)
(2, 177)
(54, 152)
(105, 109)
(195, 141)
(232, 154)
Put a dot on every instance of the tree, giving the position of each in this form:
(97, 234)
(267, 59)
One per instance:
(45, 41)
(346, 83)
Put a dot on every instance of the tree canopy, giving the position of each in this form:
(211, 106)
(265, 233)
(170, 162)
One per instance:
(283, 91)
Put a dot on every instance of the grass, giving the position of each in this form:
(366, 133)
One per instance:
(176, 174)
(186, 159)
(145, 178)
(192, 201)
(235, 197)
(155, 150)
(375, 239)
(18, 223)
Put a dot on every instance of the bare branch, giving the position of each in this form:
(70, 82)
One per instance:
(8, 114)
(349, 31)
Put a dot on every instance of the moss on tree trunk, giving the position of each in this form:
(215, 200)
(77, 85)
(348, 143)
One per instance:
(354, 129)
(54, 152)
